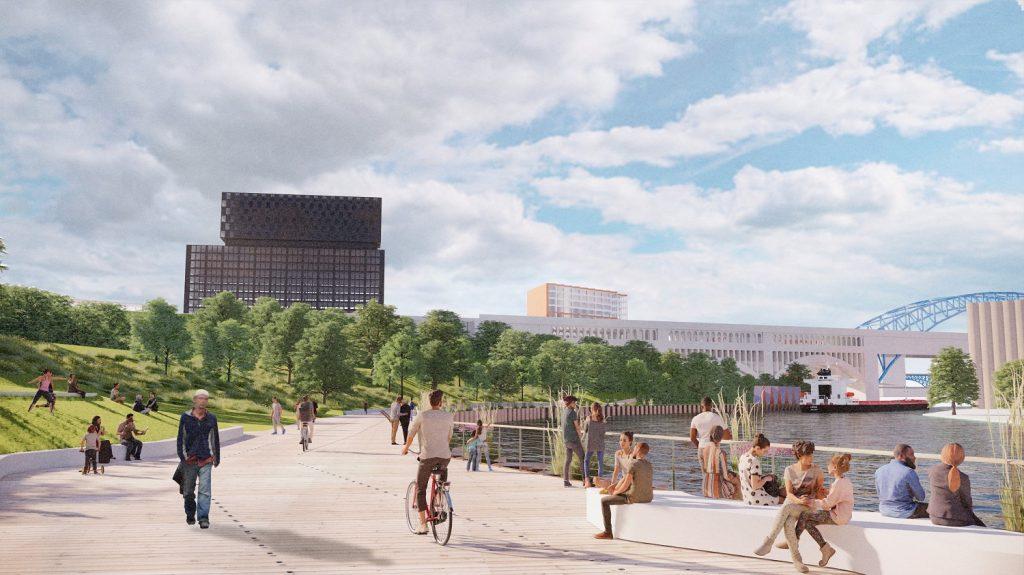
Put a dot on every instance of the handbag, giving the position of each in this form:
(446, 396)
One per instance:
(772, 487)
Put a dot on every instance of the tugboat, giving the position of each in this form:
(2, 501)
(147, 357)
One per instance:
(829, 395)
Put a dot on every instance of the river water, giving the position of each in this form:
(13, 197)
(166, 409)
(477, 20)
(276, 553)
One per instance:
(675, 463)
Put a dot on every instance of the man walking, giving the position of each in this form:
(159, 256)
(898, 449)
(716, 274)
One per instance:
(307, 413)
(199, 453)
(571, 433)
(393, 414)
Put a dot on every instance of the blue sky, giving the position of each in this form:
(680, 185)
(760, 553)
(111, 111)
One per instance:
(807, 163)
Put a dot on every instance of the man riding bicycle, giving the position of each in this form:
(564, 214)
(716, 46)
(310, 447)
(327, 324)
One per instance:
(306, 416)
(435, 428)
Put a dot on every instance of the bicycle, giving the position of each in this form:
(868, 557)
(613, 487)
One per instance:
(439, 507)
(304, 433)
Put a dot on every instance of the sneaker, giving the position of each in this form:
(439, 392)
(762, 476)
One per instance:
(422, 529)
(566, 484)
(827, 551)
(275, 433)
(284, 431)
(603, 535)
(204, 523)
(765, 547)
(190, 520)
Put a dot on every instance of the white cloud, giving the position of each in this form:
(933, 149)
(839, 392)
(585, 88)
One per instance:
(843, 30)
(1004, 145)
(1013, 61)
(842, 99)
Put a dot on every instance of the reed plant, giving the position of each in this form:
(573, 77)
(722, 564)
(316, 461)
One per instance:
(743, 417)
(1011, 496)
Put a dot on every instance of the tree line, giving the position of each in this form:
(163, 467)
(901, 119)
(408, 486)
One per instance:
(45, 316)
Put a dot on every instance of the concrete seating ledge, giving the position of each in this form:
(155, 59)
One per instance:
(32, 393)
(869, 544)
(72, 458)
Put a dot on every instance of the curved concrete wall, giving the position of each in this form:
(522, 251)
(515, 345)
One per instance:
(29, 461)
(869, 544)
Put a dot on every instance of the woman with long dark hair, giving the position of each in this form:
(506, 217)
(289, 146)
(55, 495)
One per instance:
(595, 431)
(752, 481)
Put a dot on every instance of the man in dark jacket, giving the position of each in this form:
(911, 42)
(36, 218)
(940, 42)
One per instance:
(199, 453)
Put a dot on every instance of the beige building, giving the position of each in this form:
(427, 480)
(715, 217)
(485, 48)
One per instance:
(995, 335)
(560, 300)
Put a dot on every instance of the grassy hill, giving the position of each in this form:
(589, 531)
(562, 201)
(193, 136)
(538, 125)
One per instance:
(246, 401)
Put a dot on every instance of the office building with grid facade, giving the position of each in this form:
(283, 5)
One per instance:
(321, 250)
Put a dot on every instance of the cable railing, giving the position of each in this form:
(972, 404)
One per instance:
(677, 468)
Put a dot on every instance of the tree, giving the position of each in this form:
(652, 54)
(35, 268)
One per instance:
(236, 348)
(593, 339)
(439, 338)
(436, 364)
(262, 314)
(476, 377)
(1008, 381)
(795, 375)
(953, 378)
(35, 314)
(636, 380)
(461, 357)
(374, 325)
(283, 334)
(3, 251)
(553, 363)
(441, 325)
(398, 359)
(323, 360)
(99, 324)
(641, 350)
(487, 333)
(161, 332)
(502, 375)
(203, 326)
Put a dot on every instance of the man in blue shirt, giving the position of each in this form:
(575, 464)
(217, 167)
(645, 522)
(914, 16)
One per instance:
(199, 453)
(900, 493)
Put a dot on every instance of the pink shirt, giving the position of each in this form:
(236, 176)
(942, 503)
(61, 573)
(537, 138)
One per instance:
(46, 383)
(839, 501)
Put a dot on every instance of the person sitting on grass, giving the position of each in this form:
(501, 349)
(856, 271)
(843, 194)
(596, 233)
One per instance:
(152, 405)
(636, 486)
(115, 393)
(139, 406)
(623, 458)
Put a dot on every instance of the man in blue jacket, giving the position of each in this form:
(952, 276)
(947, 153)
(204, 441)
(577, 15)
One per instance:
(199, 453)
(900, 493)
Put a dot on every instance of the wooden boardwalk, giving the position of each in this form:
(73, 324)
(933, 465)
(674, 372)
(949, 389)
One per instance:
(335, 509)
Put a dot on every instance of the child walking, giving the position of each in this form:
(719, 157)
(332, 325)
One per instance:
(91, 446)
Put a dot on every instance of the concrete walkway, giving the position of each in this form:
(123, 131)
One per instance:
(335, 509)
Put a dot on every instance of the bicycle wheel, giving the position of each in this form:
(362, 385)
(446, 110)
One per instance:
(441, 527)
(412, 516)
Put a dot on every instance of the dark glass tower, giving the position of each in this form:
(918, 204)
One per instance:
(321, 250)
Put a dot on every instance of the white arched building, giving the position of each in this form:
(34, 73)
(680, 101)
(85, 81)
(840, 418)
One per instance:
(761, 349)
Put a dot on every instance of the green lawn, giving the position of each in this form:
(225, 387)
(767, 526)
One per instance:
(246, 401)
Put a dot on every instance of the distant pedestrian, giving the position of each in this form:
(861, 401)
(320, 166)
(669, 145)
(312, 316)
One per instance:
(44, 389)
(702, 424)
(404, 412)
(595, 432)
(472, 453)
(483, 448)
(198, 453)
(73, 385)
(91, 446)
(393, 413)
(571, 434)
(305, 416)
(366, 407)
(275, 416)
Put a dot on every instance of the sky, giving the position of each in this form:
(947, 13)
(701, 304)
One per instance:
(793, 163)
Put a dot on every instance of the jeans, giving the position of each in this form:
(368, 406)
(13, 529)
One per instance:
(90, 459)
(404, 422)
(203, 474)
(485, 451)
(132, 448)
(600, 462)
(570, 449)
(473, 459)
(606, 511)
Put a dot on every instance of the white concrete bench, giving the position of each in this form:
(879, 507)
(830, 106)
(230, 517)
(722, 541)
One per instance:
(64, 394)
(869, 544)
(71, 458)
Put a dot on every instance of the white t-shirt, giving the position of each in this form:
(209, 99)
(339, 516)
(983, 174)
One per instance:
(435, 432)
(704, 422)
(395, 408)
